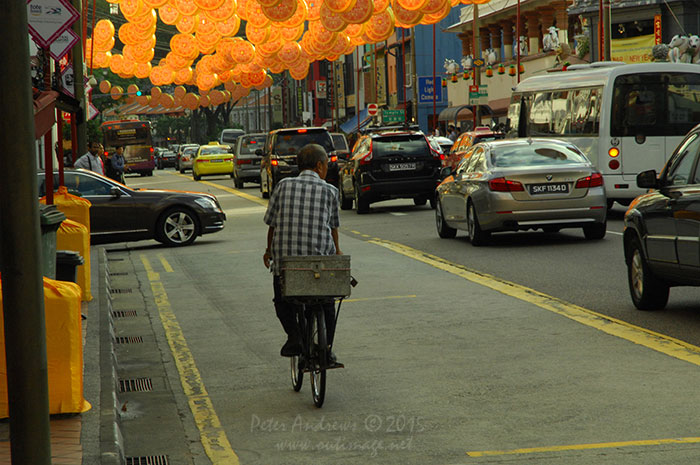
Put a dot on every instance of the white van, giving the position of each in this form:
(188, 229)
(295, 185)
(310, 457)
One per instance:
(229, 136)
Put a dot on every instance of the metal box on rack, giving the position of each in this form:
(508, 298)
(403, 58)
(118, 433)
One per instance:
(316, 276)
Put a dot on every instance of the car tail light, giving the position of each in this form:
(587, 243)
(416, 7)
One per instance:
(594, 180)
(301, 131)
(243, 162)
(367, 159)
(334, 158)
(505, 185)
(201, 160)
(228, 159)
(274, 162)
(614, 164)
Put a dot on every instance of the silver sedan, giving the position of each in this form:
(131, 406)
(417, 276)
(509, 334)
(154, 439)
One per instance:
(521, 184)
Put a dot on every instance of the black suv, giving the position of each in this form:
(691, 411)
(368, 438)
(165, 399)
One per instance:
(662, 228)
(388, 165)
(280, 155)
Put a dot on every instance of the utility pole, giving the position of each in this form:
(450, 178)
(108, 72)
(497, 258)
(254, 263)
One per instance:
(607, 56)
(20, 250)
(477, 69)
(414, 43)
(79, 87)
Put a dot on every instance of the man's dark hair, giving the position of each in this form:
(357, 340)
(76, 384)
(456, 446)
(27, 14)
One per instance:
(310, 155)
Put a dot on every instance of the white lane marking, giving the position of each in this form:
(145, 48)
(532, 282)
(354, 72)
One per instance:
(616, 233)
(398, 213)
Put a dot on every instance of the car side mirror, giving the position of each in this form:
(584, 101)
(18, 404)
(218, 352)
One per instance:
(115, 192)
(259, 152)
(445, 172)
(647, 179)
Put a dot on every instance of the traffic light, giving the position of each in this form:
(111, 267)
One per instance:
(138, 93)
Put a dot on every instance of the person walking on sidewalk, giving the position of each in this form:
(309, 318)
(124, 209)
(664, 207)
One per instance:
(116, 165)
(303, 219)
(92, 160)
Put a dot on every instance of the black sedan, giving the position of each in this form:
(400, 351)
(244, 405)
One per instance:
(119, 213)
(662, 228)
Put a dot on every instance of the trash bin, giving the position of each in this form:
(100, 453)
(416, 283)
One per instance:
(51, 219)
(67, 263)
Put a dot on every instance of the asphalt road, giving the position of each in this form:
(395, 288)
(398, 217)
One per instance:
(440, 367)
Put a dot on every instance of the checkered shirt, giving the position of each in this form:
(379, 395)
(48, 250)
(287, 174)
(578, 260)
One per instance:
(303, 210)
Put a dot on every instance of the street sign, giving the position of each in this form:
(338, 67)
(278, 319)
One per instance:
(393, 116)
(478, 95)
(426, 89)
(372, 109)
(48, 19)
(63, 44)
(321, 89)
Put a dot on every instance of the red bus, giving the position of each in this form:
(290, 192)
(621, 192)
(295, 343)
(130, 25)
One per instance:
(136, 138)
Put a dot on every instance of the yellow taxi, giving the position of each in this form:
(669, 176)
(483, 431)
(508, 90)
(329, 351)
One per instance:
(212, 159)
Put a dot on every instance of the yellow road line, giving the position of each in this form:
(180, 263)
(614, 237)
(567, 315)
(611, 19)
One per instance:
(600, 445)
(365, 299)
(650, 339)
(164, 262)
(230, 190)
(212, 434)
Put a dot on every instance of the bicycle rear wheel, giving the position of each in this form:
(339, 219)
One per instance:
(319, 355)
(297, 373)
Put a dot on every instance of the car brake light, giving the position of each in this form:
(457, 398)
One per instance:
(274, 162)
(242, 162)
(505, 185)
(334, 158)
(151, 149)
(367, 159)
(301, 131)
(594, 180)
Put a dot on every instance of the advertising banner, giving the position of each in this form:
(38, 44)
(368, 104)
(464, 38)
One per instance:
(633, 49)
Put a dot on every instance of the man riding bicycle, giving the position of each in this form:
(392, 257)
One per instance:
(303, 219)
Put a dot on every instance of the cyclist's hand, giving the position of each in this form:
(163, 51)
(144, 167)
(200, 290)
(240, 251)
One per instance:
(266, 259)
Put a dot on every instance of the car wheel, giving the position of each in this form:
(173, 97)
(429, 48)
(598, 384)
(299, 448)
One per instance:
(345, 203)
(476, 235)
(420, 201)
(177, 226)
(150, 173)
(444, 231)
(433, 202)
(610, 203)
(195, 176)
(647, 291)
(237, 183)
(595, 231)
(361, 204)
(182, 170)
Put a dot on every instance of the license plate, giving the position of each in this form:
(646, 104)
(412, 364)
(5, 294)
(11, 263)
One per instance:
(552, 188)
(216, 161)
(401, 166)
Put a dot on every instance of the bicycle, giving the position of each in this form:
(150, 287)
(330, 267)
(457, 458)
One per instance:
(309, 282)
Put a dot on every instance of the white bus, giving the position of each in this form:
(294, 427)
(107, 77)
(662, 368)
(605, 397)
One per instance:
(625, 118)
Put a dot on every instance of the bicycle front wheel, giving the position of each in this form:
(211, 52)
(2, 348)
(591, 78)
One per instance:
(320, 358)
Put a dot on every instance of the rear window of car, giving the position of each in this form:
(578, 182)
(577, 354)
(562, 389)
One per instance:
(214, 150)
(249, 144)
(339, 142)
(404, 144)
(290, 142)
(522, 155)
(488, 138)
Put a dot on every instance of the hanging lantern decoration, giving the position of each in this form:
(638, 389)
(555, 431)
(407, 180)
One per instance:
(501, 69)
(511, 70)
(489, 71)
(454, 77)
(521, 69)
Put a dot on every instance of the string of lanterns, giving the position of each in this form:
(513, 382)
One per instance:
(281, 35)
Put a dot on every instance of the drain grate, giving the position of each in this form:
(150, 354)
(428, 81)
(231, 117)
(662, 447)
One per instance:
(124, 313)
(128, 339)
(127, 290)
(119, 273)
(115, 259)
(148, 460)
(136, 385)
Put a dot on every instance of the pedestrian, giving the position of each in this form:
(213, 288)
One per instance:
(92, 160)
(116, 165)
(302, 218)
(452, 133)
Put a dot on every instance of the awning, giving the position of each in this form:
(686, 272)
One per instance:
(461, 113)
(350, 125)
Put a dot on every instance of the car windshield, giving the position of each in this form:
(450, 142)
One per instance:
(250, 144)
(190, 150)
(535, 154)
(404, 144)
(214, 150)
(290, 142)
